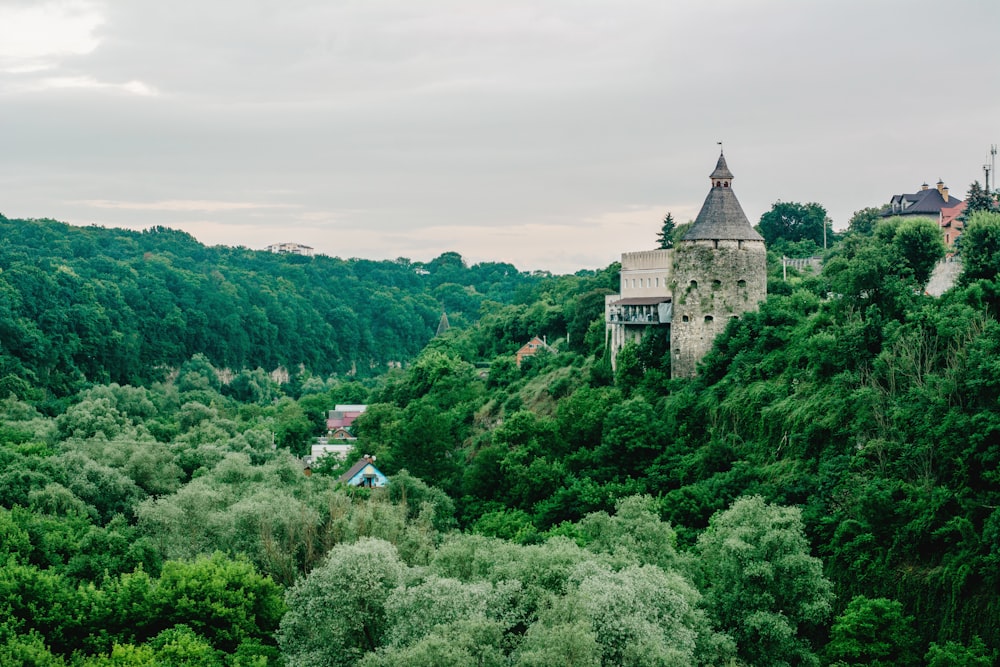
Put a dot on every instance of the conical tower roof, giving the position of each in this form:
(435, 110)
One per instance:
(721, 216)
(443, 324)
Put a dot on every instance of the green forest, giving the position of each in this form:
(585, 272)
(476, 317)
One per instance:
(824, 492)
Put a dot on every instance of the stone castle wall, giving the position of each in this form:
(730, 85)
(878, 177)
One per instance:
(713, 282)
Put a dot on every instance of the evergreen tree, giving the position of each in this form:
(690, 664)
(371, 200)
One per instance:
(666, 236)
(977, 199)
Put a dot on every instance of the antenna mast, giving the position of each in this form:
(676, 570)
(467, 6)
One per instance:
(993, 168)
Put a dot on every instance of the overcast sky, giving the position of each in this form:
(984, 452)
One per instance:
(552, 134)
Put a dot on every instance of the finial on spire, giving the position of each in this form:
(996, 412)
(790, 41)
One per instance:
(721, 149)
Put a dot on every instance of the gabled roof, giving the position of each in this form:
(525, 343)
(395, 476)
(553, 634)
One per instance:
(356, 468)
(924, 202)
(721, 216)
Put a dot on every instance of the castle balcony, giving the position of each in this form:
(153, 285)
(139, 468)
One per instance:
(643, 310)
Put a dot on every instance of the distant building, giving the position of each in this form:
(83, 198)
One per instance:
(340, 433)
(531, 348)
(364, 473)
(927, 202)
(343, 416)
(951, 223)
(323, 448)
(290, 249)
(716, 272)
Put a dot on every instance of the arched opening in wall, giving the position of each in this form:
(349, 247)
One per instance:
(734, 317)
(709, 318)
(739, 245)
(677, 353)
(715, 243)
(694, 284)
(685, 318)
(716, 284)
(742, 284)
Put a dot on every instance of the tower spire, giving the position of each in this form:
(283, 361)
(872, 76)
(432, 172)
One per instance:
(721, 177)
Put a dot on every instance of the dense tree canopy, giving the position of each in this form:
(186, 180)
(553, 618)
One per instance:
(825, 482)
(788, 224)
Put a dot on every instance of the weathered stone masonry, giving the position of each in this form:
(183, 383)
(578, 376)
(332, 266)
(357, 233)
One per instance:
(717, 272)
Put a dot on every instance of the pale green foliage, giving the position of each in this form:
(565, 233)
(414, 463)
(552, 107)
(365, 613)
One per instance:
(560, 643)
(56, 500)
(337, 613)
(641, 615)
(198, 374)
(105, 489)
(183, 523)
(27, 419)
(108, 412)
(476, 641)
(148, 463)
(600, 606)
(760, 583)
(634, 533)
(282, 520)
(413, 612)
(271, 527)
(91, 418)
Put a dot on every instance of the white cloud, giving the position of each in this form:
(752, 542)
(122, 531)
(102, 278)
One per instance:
(33, 36)
(90, 83)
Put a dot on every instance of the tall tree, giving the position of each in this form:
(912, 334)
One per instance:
(864, 221)
(793, 222)
(977, 199)
(873, 632)
(981, 247)
(666, 236)
(761, 585)
(338, 613)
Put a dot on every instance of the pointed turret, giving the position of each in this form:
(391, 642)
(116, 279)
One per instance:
(721, 172)
(721, 216)
(443, 325)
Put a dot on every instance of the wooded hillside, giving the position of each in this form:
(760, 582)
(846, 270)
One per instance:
(82, 305)
(823, 493)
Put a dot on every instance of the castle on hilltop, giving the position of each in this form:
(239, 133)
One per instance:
(716, 272)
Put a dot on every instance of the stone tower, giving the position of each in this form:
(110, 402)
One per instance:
(719, 273)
